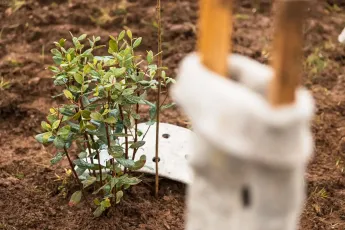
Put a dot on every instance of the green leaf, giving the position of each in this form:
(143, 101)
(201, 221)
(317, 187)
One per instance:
(128, 163)
(98, 212)
(82, 37)
(131, 99)
(137, 144)
(68, 94)
(121, 35)
(84, 87)
(43, 137)
(79, 78)
(116, 151)
(97, 116)
(89, 181)
(58, 157)
(85, 114)
(46, 126)
(119, 195)
(87, 69)
(149, 57)
(54, 69)
(74, 127)
(152, 112)
(106, 203)
(140, 163)
(131, 180)
(96, 202)
(129, 34)
(85, 101)
(59, 142)
(76, 116)
(82, 155)
(137, 42)
(83, 164)
(75, 198)
(64, 131)
(67, 112)
(110, 120)
(167, 106)
(52, 118)
(90, 127)
(101, 188)
(118, 71)
(113, 45)
(62, 42)
(56, 124)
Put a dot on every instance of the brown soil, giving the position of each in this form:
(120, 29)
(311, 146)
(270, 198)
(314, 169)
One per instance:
(28, 190)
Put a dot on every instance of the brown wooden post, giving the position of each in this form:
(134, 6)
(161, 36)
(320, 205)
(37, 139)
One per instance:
(215, 34)
(288, 54)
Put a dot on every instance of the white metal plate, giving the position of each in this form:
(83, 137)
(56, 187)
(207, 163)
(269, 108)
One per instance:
(174, 150)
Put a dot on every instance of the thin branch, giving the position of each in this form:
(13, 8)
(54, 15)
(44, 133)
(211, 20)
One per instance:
(76, 176)
(126, 133)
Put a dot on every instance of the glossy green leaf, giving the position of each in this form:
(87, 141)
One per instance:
(82, 37)
(110, 120)
(113, 45)
(45, 126)
(75, 198)
(106, 203)
(57, 158)
(56, 124)
(43, 137)
(137, 144)
(79, 78)
(68, 94)
(121, 35)
(88, 181)
(64, 131)
(98, 212)
(140, 163)
(83, 164)
(118, 71)
(59, 142)
(149, 57)
(137, 42)
(128, 163)
(97, 116)
(119, 195)
(85, 114)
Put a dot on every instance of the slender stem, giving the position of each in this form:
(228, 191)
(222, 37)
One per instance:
(136, 129)
(126, 132)
(76, 175)
(148, 129)
(99, 162)
(86, 138)
(159, 21)
(112, 161)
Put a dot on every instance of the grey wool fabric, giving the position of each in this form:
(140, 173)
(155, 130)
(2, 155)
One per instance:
(249, 158)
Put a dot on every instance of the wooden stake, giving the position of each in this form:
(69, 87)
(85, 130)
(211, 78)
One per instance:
(160, 60)
(287, 56)
(215, 34)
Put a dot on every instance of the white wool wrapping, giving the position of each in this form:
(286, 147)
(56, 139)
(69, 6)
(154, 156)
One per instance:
(245, 147)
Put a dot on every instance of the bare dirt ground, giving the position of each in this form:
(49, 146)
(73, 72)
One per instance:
(28, 191)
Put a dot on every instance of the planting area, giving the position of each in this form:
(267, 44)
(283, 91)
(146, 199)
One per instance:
(29, 195)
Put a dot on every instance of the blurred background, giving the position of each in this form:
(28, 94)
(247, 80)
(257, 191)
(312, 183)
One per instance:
(28, 193)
